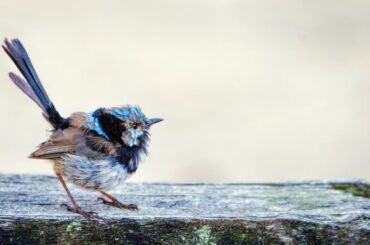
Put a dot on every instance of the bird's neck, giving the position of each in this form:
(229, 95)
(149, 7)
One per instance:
(131, 156)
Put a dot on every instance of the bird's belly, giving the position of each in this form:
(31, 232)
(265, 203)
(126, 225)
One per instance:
(92, 174)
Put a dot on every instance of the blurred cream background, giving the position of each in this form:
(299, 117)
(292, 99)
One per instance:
(250, 90)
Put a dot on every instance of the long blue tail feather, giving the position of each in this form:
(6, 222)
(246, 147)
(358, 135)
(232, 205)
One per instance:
(32, 87)
(25, 87)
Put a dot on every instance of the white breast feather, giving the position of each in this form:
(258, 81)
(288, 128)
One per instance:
(92, 174)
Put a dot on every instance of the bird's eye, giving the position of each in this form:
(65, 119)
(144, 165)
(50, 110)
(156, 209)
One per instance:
(135, 125)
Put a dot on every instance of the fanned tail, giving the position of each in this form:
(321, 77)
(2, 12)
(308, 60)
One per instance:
(32, 87)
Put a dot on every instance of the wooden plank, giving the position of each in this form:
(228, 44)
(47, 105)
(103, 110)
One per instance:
(240, 213)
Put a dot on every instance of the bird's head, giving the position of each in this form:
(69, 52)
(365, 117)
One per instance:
(135, 124)
(126, 124)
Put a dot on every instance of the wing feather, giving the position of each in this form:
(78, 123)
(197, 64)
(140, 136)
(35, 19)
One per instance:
(59, 143)
(74, 140)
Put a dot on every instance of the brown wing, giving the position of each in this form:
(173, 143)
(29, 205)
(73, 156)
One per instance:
(59, 143)
(74, 140)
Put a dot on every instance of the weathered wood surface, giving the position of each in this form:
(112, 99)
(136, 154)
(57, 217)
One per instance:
(284, 213)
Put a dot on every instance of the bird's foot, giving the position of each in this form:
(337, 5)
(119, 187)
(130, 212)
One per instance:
(78, 210)
(117, 204)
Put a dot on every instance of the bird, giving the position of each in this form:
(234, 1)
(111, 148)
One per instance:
(95, 150)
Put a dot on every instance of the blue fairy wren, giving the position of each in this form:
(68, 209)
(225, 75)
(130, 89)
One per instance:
(95, 150)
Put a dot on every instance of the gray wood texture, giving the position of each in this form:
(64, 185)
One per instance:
(336, 212)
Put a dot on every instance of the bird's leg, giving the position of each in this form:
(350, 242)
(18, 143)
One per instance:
(115, 203)
(76, 208)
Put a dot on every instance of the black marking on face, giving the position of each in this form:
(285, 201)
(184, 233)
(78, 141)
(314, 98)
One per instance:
(111, 125)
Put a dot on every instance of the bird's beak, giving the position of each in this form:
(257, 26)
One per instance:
(152, 121)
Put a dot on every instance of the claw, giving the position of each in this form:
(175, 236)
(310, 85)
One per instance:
(88, 215)
(118, 204)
